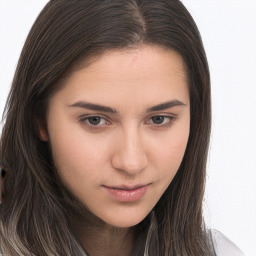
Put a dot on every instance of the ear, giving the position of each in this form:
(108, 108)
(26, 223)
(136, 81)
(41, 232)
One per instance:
(42, 130)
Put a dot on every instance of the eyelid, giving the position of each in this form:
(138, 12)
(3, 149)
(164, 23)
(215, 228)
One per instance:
(92, 115)
(170, 115)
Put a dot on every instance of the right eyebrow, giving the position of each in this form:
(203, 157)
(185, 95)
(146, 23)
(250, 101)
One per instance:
(95, 107)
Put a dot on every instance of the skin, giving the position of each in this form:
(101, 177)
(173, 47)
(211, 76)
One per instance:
(124, 148)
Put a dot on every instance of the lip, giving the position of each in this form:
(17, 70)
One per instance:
(125, 193)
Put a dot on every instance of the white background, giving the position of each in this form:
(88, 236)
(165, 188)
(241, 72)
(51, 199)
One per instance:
(228, 29)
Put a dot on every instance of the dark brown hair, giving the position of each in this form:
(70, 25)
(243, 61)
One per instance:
(34, 219)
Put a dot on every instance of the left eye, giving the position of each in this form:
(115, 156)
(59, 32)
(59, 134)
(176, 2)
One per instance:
(160, 120)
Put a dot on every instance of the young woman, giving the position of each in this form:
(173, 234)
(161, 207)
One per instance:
(106, 135)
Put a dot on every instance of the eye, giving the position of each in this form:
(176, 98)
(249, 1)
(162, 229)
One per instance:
(160, 120)
(94, 121)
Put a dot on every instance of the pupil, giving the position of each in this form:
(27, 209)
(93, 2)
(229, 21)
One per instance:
(158, 119)
(94, 120)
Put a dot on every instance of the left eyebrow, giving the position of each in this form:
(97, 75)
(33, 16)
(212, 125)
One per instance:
(166, 105)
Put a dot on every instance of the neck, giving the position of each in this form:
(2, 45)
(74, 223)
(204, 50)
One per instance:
(101, 239)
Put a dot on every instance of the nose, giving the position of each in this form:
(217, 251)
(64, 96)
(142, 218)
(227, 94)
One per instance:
(129, 155)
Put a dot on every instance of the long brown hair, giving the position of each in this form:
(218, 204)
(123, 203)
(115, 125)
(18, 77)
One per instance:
(34, 219)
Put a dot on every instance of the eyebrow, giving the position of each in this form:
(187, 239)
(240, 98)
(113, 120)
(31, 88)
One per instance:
(92, 106)
(166, 105)
(101, 108)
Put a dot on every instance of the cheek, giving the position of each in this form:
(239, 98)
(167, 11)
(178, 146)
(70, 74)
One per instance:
(170, 153)
(75, 156)
(175, 151)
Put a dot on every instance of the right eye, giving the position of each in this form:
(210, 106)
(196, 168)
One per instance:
(94, 121)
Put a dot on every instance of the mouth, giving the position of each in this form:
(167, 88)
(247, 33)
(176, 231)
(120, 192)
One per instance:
(128, 188)
(125, 193)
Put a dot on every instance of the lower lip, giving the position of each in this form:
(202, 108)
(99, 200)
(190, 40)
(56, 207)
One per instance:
(127, 195)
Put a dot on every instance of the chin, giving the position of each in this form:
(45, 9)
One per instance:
(126, 220)
(124, 223)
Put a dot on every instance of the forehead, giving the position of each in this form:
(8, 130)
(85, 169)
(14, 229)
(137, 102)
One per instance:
(142, 73)
(144, 57)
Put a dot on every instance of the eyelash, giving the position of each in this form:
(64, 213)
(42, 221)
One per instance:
(85, 121)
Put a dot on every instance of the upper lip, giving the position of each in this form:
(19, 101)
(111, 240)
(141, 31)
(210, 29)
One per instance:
(127, 187)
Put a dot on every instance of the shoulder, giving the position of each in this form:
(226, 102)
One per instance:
(223, 246)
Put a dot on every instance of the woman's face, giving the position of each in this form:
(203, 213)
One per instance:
(118, 130)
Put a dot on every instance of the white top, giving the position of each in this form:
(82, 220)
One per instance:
(223, 246)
